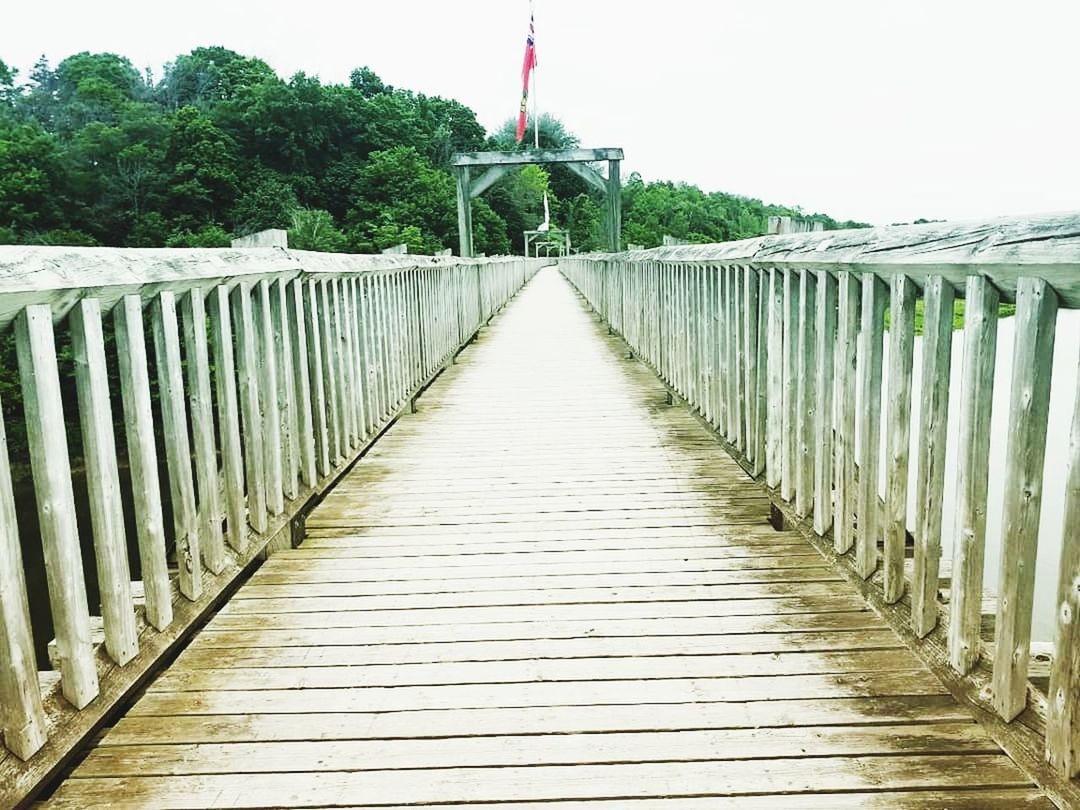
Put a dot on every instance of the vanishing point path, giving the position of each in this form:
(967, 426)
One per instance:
(547, 589)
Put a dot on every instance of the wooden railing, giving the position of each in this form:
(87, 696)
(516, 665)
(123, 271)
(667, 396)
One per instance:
(261, 375)
(778, 342)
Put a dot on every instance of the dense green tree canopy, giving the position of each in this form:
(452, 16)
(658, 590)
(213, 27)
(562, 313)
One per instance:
(95, 151)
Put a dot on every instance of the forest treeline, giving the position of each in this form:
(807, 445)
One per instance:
(96, 152)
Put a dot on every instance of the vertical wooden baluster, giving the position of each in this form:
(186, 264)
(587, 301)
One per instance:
(359, 355)
(761, 383)
(345, 367)
(776, 377)
(103, 481)
(268, 400)
(898, 432)
(22, 718)
(286, 388)
(211, 541)
(806, 393)
(824, 476)
(973, 471)
(50, 465)
(789, 443)
(739, 329)
(871, 336)
(371, 360)
(329, 372)
(302, 396)
(320, 402)
(1033, 355)
(142, 459)
(933, 431)
(847, 329)
(177, 444)
(247, 337)
(381, 315)
(750, 339)
(1063, 697)
(232, 457)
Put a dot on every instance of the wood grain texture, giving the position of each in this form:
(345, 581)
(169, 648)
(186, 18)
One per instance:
(545, 586)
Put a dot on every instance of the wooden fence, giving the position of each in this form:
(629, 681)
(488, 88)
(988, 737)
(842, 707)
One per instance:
(261, 374)
(777, 342)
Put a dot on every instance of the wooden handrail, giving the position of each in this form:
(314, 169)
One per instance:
(778, 342)
(275, 369)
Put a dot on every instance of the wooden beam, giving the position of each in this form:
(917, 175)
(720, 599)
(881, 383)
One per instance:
(467, 159)
(589, 175)
(487, 180)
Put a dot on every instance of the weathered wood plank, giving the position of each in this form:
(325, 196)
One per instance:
(973, 472)
(143, 460)
(824, 412)
(806, 396)
(933, 431)
(303, 348)
(232, 456)
(22, 718)
(847, 327)
(789, 450)
(267, 379)
(868, 427)
(1033, 354)
(50, 466)
(103, 481)
(211, 540)
(320, 405)
(251, 418)
(288, 413)
(898, 433)
(177, 444)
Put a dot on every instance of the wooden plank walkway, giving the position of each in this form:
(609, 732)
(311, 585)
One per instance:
(547, 589)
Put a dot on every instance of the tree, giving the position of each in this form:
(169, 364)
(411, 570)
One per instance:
(203, 181)
(315, 230)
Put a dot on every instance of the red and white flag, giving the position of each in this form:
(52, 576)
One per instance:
(526, 74)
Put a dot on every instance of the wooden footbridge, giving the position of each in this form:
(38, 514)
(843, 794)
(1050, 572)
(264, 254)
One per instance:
(431, 533)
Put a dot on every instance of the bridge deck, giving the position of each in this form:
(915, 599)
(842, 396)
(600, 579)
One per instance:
(551, 590)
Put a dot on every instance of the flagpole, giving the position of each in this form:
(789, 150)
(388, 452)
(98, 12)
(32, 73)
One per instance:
(536, 106)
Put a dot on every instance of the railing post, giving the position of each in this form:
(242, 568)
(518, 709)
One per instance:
(869, 373)
(1033, 354)
(933, 432)
(823, 416)
(898, 432)
(806, 393)
(232, 457)
(973, 471)
(847, 329)
(22, 718)
(103, 481)
(251, 420)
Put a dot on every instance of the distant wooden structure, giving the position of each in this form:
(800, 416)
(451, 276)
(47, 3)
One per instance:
(782, 225)
(498, 164)
(558, 243)
(271, 237)
(396, 250)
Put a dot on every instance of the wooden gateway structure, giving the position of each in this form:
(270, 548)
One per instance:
(397, 531)
(498, 164)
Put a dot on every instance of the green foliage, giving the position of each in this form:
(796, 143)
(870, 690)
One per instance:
(94, 152)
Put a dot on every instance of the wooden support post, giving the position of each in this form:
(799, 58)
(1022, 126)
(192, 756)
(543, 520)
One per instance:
(776, 378)
(337, 439)
(614, 200)
(251, 419)
(177, 444)
(464, 213)
(211, 541)
(103, 481)
(874, 297)
(51, 468)
(143, 460)
(750, 340)
(973, 471)
(232, 456)
(319, 403)
(761, 381)
(22, 718)
(286, 388)
(847, 328)
(823, 414)
(806, 393)
(268, 400)
(1033, 355)
(789, 433)
(933, 430)
(898, 432)
(301, 351)
(1063, 697)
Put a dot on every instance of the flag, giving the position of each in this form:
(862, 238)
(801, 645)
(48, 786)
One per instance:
(526, 73)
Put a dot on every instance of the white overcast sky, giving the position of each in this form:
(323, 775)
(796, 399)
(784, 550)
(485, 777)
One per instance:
(877, 110)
